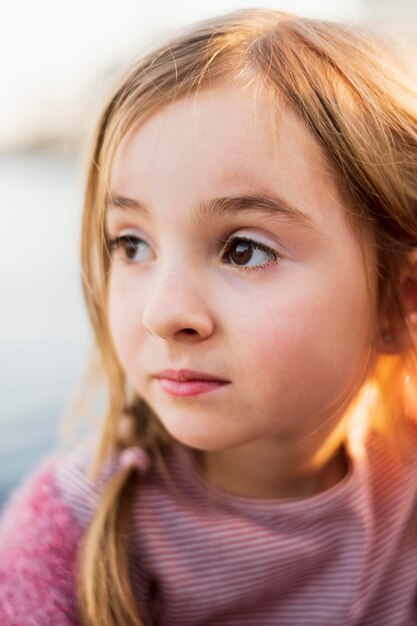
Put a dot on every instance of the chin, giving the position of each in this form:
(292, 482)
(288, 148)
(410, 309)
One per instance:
(200, 429)
(204, 439)
(198, 441)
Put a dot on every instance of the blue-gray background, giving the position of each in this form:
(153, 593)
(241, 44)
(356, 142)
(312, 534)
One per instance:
(56, 61)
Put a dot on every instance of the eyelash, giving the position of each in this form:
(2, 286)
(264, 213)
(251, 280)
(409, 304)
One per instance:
(123, 240)
(273, 256)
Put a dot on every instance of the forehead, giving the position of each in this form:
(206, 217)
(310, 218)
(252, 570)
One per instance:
(230, 139)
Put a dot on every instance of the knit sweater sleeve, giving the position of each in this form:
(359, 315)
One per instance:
(38, 543)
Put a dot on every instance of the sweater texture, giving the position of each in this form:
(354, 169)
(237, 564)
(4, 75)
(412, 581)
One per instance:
(199, 556)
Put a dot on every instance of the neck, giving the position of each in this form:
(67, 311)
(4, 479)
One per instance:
(255, 470)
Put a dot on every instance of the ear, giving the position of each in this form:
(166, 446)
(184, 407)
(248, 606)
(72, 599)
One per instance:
(408, 290)
(393, 338)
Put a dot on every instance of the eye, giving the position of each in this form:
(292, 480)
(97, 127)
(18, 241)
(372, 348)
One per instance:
(247, 254)
(132, 248)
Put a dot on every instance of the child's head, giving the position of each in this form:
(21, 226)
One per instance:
(250, 213)
(254, 104)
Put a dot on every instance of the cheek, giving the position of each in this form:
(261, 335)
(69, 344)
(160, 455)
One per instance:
(314, 345)
(279, 351)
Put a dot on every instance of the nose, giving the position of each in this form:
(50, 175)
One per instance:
(176, 309)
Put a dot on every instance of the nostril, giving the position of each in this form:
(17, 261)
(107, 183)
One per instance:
(189, 331)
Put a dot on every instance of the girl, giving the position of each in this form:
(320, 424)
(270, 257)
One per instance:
(249, 267)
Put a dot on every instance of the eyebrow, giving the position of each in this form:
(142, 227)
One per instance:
(267, 204)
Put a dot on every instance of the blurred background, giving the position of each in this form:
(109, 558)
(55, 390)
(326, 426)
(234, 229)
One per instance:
(57, 60)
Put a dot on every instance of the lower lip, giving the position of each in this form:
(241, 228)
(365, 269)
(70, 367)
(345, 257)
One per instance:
(189, 387)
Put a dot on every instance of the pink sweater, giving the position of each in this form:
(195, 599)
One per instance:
(200, 557)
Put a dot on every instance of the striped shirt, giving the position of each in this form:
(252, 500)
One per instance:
(199, 556)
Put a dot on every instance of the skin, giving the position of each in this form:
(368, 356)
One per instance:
(292, 335)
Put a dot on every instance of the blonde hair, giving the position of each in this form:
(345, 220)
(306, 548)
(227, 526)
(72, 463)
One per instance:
(360, 105)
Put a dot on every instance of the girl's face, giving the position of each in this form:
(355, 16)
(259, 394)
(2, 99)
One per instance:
(232, 255)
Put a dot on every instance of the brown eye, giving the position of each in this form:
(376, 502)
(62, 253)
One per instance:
(133, 248)
(246, 252)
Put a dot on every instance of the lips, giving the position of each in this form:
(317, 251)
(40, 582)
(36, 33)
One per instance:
(186, 383)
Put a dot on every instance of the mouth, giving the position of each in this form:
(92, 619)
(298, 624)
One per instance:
(186, 383)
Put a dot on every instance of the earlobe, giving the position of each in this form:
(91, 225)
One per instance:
(400, 333)
(387, 342)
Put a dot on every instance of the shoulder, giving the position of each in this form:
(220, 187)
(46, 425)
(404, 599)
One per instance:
(40, 530)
